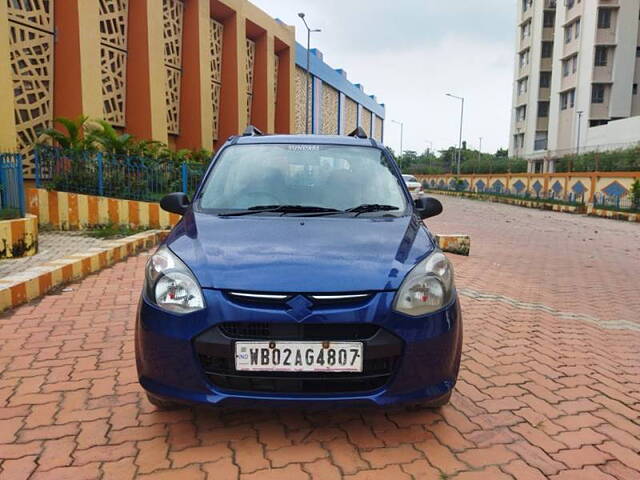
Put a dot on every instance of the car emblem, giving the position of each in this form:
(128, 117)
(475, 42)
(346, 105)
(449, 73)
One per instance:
(299, 308)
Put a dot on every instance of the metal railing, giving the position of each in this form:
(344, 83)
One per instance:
(625, 203)
(549, 196)
(110, 175)
(12, 202)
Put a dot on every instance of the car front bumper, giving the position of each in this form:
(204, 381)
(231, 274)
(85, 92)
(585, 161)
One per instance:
(189, 358)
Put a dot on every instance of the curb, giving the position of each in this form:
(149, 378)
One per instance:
(556, 207)
(19, 237)
(36, 282)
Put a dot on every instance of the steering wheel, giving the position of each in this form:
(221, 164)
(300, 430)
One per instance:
(260, 196)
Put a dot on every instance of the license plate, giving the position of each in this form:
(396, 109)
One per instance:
(299, 356)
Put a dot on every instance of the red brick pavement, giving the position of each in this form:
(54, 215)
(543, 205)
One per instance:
(540, 395)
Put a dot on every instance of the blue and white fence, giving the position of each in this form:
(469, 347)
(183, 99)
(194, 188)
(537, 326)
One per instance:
(11, 183)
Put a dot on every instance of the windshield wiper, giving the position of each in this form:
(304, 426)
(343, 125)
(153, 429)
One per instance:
(371, 207)
(284, 209)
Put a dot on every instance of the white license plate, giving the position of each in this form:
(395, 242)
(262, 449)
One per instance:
(299, 356)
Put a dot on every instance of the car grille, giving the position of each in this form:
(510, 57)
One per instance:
(215, 350)
(291, 331)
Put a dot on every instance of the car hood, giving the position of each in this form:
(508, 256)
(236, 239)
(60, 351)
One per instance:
(300, 254)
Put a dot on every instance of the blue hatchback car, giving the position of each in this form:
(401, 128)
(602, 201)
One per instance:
(301, 272)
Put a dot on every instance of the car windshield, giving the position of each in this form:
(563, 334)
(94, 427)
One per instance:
(324, 177)
(409, 178)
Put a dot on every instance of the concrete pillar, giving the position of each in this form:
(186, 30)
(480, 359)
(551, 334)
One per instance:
(8, 132)
(146, 97)
(196, 108)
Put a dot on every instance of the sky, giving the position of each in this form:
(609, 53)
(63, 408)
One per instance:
(410, 53)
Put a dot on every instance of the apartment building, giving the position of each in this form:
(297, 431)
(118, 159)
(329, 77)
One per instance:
(576, 78)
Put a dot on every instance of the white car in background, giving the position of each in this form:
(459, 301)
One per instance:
(414, 186)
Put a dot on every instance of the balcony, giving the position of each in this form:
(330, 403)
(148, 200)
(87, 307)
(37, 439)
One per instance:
(606, 36)
(603, 74)
(547, 34)
(525, 42)
(542, 123)
(544, 94)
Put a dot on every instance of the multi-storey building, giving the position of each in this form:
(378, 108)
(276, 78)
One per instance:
(576, 78)
(188, 73)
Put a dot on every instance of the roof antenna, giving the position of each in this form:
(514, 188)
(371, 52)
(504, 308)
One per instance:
(358, 133)
(252, 131)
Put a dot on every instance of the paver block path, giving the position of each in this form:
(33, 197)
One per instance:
(545, 390)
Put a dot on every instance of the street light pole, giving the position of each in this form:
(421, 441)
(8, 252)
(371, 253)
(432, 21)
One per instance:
(308, 100)
(461, 123)
(579, 126)
(401, 133)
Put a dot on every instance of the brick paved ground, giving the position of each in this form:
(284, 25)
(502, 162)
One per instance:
(542, 394)
(51, 246)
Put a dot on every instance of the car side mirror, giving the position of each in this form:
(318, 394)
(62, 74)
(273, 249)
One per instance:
(177, 202)
(428, 207)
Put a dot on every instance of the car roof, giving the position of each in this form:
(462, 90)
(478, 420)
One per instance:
(305, 139)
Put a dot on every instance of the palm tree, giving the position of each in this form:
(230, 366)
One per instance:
(76, 138)
(110, 140)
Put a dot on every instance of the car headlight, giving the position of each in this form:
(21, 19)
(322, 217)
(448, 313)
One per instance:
(427, 288)
(171, 285)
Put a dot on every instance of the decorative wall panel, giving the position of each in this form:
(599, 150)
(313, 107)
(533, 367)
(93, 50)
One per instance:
(113, 59)
(365, 121)
(330, 101)
(249, 69)
(276, 66)
(215, 38)
(301, 99)
(378, 133)
(173, 21)
(33, 13)
(113, 22)
(31, 58)
(350, 115)
(114, 74)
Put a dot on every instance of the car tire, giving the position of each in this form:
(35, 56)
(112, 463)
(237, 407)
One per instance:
(162, 404)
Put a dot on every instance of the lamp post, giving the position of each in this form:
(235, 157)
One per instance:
(401, 133)
(461, 123)
(579, 127)
(429, 151)
(308, 100)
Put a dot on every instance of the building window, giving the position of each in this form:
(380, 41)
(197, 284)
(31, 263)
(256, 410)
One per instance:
(543, 109)
(597, 123)
(602, 55)
(597, 93)
(638, 52)
(634, 90)
(521, 113)
(570, 65)
(604, 18)
(570, 4)
(545, 79)
(524, 58)
(526, 4)
(541, 141)
(568, 99)
(525, 30)
(549, 19)
(518, 141)
(577, 28)
(567, 33)
(547, 49)
(523, 86)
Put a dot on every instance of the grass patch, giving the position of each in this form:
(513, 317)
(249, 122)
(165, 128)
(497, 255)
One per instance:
(111, 230)
(9, 213)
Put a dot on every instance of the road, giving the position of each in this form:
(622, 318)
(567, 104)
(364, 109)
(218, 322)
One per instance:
(549, 386)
